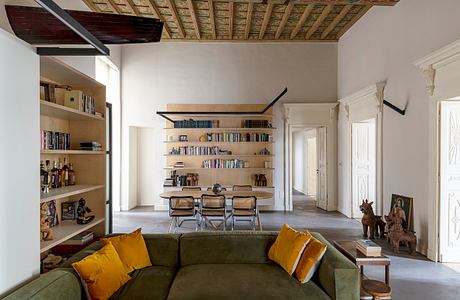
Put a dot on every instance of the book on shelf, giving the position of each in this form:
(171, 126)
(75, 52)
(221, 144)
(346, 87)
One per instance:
(196, 124)
(80, 239)
(238, 137)
(179, 164)
(368, 248)
(90, 146)
(256, 124)
(52, 140)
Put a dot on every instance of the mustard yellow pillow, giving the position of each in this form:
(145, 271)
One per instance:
(288, 248)
(310, 260)
(132, 250)
(102, 273)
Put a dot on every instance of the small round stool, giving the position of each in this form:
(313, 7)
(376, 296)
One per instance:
(376, 289)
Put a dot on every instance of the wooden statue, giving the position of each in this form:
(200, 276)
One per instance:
(45, 231)
(370, 221)
(397, 234)
(192, 179)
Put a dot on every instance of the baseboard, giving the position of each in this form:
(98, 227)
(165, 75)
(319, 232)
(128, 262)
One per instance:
(431, 255)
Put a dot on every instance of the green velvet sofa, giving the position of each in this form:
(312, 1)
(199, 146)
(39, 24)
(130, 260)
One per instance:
(208, 265)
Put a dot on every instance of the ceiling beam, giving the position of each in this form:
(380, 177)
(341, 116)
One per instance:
(194, 19)
(336, 21)
(248, 20)
(114, 7)
(303, 18)
(267, 16)
(176, 18)
(212, 18)
(287, 14)
(363, 10)
(346, 2)
(230, 19)
(156, 13)
(91, 5)
(318, 21)
(130, 4)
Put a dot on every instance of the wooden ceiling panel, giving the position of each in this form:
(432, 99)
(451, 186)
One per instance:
(251, 20)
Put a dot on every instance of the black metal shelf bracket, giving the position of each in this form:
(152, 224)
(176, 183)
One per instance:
(395, 108)
(71, 23)
(165, 114)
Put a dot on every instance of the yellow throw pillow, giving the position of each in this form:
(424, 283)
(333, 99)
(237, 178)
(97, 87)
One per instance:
(310, 260)
(132, 250)
(101, 273)
(288, 248)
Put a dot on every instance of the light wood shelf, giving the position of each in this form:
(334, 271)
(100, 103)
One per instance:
(220, 129)
(72, 152)
(68, 191)
(66, 230)
(239, 169)
(62, 112)
(213, 142)
(223, 156)
(224, 186)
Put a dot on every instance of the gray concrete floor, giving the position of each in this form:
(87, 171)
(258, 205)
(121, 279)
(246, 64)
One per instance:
(412, 277)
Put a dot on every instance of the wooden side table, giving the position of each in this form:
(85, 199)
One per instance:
(348, 248)
(376, 289)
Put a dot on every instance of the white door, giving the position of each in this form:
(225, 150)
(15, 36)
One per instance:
(449, 219)
(311, 166)
(363, 149)
(321, 153)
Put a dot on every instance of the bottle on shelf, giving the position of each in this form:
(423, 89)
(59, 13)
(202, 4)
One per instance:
(61, 174)
(65, 178)
(55, 176)
(43, 178)
(48, 172)
(71, 175)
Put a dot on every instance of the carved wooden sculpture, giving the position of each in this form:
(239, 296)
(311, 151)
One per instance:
(45, 231)
(371, 222)
(397, 234)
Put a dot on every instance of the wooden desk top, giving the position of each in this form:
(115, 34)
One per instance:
(227, 194)
(348, 248)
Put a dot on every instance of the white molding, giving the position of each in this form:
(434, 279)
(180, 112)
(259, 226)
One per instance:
(329, 105)
(437, 60)
(371, 93)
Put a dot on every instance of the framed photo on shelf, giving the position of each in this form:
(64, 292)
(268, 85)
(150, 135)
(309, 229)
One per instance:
(183, 138)
(68, 210)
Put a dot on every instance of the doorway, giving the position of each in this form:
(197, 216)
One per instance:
(449, 181)
(363, 161)
(304, 149)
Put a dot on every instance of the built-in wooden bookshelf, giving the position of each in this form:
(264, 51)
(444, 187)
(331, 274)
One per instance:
(248, 151)
(89, 166)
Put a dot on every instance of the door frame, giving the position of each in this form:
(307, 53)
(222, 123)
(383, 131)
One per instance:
(311, 115)
(361, 106)
(441, 71)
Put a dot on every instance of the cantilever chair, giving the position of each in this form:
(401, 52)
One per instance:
(182, 207)
(212, 207)
(191, 188)
(245, 208)
(242, 188)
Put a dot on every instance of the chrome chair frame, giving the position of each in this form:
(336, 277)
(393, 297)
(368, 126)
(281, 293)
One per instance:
(204, 209)
(175, 218)
(242, 188)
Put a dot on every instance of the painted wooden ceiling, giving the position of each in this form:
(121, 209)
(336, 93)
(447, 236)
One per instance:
(250, 20)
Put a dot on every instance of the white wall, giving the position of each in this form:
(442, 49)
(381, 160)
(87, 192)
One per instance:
(156, 74)
(19, 163)
(299, 159)
(383, 46)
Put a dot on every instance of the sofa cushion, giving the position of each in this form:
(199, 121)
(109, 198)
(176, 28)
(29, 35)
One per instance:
(151, 283)
(225, 247)
(240, 281)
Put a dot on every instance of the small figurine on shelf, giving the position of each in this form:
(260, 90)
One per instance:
(45, 231)
(81, 212)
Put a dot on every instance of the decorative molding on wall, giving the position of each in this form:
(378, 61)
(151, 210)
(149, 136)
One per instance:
(371, 96)
(290, 107)
(436, 60)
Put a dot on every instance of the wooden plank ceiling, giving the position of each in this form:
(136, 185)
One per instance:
(250, 20)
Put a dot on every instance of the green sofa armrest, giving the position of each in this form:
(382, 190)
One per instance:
(57, 284)
(337, 275)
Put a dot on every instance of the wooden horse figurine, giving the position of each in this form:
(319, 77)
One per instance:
(397, 234)
(370, 221)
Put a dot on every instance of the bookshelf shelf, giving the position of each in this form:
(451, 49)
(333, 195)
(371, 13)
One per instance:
(207, 143)
(62, 112)
(72, 152)
(89, 166)
(209, 169)
(220, 129)
(221, 156)
(66, 230)
(68, 191)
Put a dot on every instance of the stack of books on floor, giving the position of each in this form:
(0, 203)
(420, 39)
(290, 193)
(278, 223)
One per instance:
(368, 248)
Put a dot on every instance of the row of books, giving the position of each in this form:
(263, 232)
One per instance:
(368, 248)
(52, 140)
(78, 100)
(255, 124)
(196, 124)
(238, 137)
(224, 164)
(196, 150)
(91, 146)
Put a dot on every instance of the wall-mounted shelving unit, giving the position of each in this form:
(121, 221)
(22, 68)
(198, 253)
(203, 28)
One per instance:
(89, 166)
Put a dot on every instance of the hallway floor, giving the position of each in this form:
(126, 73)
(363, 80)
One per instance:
(411, 277)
